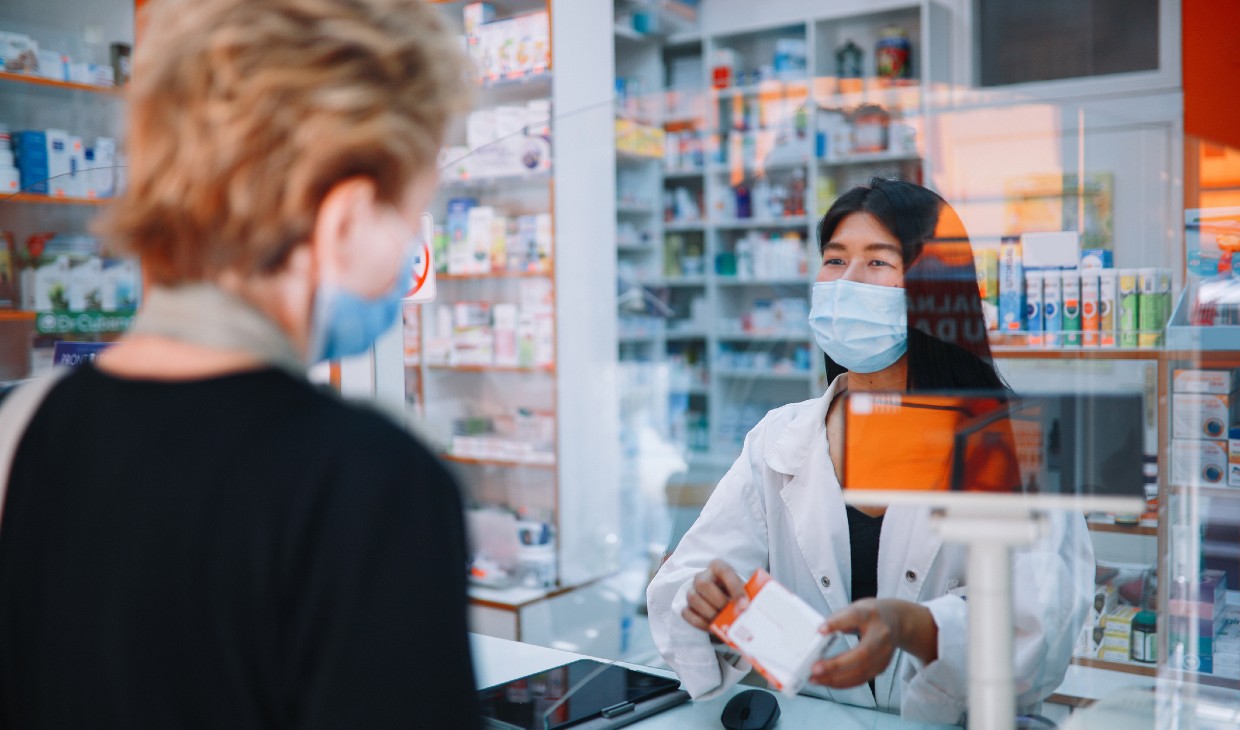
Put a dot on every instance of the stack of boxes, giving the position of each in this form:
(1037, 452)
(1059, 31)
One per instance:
(507, 49)
(55, 163)
(479, 240)
(1118, 623)
(504, 141)
(1055, 295)
(1205, 411)
(1198, 616)
(485, 334)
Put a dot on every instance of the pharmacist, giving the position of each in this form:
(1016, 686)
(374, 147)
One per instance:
(882, 576)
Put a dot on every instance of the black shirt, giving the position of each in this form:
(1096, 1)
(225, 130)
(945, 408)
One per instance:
(863, 534)
(243, 551)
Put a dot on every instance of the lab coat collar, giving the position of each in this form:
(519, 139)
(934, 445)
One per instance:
(787, 455)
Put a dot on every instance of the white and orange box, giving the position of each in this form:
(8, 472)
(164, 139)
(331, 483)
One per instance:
(777, 633)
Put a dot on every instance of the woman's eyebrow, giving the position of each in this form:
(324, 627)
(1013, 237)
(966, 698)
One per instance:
(876, 246)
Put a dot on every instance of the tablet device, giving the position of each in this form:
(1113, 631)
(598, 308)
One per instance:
(611, 696)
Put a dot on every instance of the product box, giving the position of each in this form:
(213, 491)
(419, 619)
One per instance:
(1198, 463)
(543, 242)
(1210, 598)
(1154, 307)
(480, 129)
(475, 15)
(986, 262)
(1214, 382)
(1071, 308)
(1034, 320)
(505, 328)
(86, 285)
(778, 633)
(52, 65)
(480, 231)
(1127, 318)
(59, 163)
(1057, 250)
(18, 53)
(1052, 308)
(1116, 644)
(499, 243)
(32, 163)
(1108, 298)
(1090, 316)
(1233, 458)
(1096, 258)
(1011, 288)
(472, 340)
(1203, 416)
(76, 187)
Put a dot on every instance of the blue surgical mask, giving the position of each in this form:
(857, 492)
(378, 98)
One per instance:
(346, 323)
(862, 327)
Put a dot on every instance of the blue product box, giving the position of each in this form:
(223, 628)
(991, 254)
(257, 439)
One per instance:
(1097, 258)
(456, 224)
(32, 165)
(1011, 288)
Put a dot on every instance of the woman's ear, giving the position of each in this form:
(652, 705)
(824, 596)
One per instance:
(344, 222)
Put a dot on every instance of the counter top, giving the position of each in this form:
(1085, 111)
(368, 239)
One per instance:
(500, 660)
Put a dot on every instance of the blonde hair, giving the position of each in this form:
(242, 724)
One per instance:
(243, 114)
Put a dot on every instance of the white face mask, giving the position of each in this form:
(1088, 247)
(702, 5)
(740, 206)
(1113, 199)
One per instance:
(862, 327)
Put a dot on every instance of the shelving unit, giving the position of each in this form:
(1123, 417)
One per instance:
(31, 102)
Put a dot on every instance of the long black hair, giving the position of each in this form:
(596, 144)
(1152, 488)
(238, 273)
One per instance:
(948, 348)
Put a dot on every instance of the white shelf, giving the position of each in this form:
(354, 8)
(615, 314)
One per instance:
(751, 223)
(541, 178)
(681, 226)
(676, 281)
(635, 209)
(803, 336)
(683, 173)
(635, 248)
(624, 32)
(750, 170)
(780, 281)
(799, 376)
(538, 79)
(871, 158)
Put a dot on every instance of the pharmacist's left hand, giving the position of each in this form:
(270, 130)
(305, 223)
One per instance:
(884, 625)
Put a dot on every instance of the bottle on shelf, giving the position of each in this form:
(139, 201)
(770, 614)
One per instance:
(849, 67)
(893, 56)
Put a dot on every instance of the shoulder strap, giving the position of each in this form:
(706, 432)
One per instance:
(15, 415)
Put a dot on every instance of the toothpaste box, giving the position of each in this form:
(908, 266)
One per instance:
(777, 633)
(1199, 463)
(1011, 288)
(1202, 415)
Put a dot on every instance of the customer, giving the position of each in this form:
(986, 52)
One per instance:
(882, 574)
(193, 535)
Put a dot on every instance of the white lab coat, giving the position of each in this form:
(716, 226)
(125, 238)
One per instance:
(780, 508)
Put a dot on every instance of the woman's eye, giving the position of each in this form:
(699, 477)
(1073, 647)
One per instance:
(879, 262)
(833, 262)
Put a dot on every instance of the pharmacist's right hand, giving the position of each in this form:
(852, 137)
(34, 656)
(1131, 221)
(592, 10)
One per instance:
(710, 591)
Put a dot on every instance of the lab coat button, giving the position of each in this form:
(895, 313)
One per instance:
(826, 582)
(910, 576)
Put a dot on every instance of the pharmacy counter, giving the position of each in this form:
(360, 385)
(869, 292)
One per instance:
(500, 660)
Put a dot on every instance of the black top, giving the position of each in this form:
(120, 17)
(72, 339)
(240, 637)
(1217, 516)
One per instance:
(863, 534)
(243, 552)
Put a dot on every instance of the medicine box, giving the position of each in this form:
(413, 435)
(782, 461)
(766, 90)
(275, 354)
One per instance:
(1233, 458)
(1196, 463)
(1011, 288)
(1202, 415)
(1214, 382)
(32, 160)
(1096, 258)
(1116, 644)
(778, 633)
(1057, 250)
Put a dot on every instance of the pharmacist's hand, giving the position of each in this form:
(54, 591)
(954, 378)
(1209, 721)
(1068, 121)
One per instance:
(710, 591)
(884, 625)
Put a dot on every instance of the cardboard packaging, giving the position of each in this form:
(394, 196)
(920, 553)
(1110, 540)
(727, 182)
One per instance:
(1199, 463)
(1202, 416)
(1011, 288)
(777, 633)
(1214, 382)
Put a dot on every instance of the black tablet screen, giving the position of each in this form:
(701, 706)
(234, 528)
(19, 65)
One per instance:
(523, 702)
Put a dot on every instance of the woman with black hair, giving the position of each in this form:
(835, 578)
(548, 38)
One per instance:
(895, 307)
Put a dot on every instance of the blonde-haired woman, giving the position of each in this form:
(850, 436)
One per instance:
(193, 535)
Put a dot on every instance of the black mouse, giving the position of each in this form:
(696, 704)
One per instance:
(752, 709)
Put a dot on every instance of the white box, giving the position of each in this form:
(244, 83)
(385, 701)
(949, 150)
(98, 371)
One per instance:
(1215, 382)
(778, 633)
(1201, 415)
(1198, 463)
(1058, 250)
(52, 66)
(505, 329)
(77, 169)
(480, 129)
(510, 121)
(479, 249)
(18, 52)
(59, 162)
